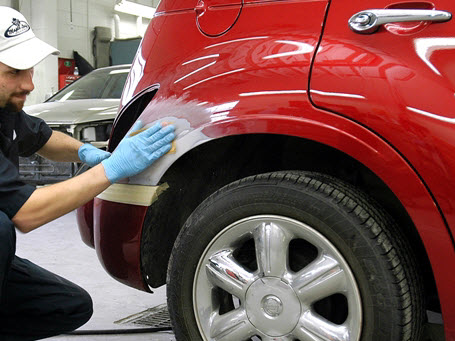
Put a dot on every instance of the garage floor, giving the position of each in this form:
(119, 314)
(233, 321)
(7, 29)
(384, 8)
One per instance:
(57, 247)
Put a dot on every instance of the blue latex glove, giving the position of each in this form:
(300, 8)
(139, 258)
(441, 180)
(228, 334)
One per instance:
(136, 153)
(91, 155)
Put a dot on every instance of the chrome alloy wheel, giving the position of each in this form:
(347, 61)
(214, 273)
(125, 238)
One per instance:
(275, 278)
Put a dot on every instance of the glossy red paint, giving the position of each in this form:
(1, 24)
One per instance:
(119, 252)
(400, 84)
(176, 6)
(84, 217)
(216, 17)
(246, 57)
(203, 64)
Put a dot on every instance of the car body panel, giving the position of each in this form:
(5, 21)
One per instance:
(84, 219)
(202, 63)
(385, 72)
(174, 6)
(215, 62)
(374, 79)
(124, 263)
(216, 17)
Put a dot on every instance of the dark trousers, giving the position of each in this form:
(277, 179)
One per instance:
(35, 303)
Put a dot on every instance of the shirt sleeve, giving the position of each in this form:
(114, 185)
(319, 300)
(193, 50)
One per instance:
(13, 192)
(33, 133)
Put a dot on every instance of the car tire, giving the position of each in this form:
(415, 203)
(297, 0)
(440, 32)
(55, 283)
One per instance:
(293, 256)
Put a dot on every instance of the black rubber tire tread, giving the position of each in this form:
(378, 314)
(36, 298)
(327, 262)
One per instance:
(398, 271)
(410, 280)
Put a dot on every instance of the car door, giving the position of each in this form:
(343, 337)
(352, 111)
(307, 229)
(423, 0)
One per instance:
(398, 79)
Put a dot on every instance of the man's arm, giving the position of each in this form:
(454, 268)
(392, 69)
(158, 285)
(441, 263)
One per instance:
(61, 147)
(132, 156)
(48, 203)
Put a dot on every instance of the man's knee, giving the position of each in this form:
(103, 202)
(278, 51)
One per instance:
(85, 305)
(74, 311)
(82, 308)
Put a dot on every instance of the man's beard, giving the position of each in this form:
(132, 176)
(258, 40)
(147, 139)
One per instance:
(12, 107)
(15, 106)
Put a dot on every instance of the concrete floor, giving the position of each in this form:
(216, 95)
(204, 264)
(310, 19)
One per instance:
(57, 247)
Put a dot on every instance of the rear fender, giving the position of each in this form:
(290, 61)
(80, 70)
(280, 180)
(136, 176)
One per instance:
(226, 119)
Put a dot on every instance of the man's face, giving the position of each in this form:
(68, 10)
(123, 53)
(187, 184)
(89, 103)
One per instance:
(15, 85)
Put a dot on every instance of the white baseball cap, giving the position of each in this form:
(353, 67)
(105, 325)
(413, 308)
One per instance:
(19, 48)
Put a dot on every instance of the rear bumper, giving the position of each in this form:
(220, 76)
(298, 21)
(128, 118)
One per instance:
(117, 237)
(112, 223)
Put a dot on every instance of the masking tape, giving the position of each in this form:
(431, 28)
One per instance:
(133, 194)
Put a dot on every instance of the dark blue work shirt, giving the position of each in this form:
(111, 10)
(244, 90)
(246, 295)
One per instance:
(20, 135)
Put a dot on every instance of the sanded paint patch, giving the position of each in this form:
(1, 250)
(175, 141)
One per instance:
(133, 194)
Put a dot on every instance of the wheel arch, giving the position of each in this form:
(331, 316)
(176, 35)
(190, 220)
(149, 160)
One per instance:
(341, 148)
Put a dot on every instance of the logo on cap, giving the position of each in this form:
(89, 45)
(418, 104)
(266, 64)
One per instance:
(17, 28)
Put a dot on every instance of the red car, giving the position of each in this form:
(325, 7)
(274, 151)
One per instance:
(310, 195)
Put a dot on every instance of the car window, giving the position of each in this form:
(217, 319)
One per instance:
(115, 85)
(106, 84)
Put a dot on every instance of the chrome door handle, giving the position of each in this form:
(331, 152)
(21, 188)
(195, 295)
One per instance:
(368, 21)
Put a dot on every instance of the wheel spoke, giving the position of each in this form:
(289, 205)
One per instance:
(320, 279)
(223, 271)
(272, 245)
(305, 335)
(233, 325)
(312, 327)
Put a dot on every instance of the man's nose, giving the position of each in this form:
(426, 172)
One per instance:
(27, 80)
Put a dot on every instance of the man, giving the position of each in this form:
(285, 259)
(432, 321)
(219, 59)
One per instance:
(35, 303)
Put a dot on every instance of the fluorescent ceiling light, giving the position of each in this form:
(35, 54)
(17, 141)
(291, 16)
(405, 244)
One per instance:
(133, 8)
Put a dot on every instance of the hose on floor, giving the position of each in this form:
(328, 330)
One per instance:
(119, 331)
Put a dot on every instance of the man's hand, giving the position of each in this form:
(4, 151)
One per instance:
(92, 155)
(136, 153)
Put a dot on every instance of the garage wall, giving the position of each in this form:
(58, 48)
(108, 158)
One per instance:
(6, 3)
(78, 18)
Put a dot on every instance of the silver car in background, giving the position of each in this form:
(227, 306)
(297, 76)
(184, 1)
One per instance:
(85, 110)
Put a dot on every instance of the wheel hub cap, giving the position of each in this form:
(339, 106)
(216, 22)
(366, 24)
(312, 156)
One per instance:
(272, 306)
